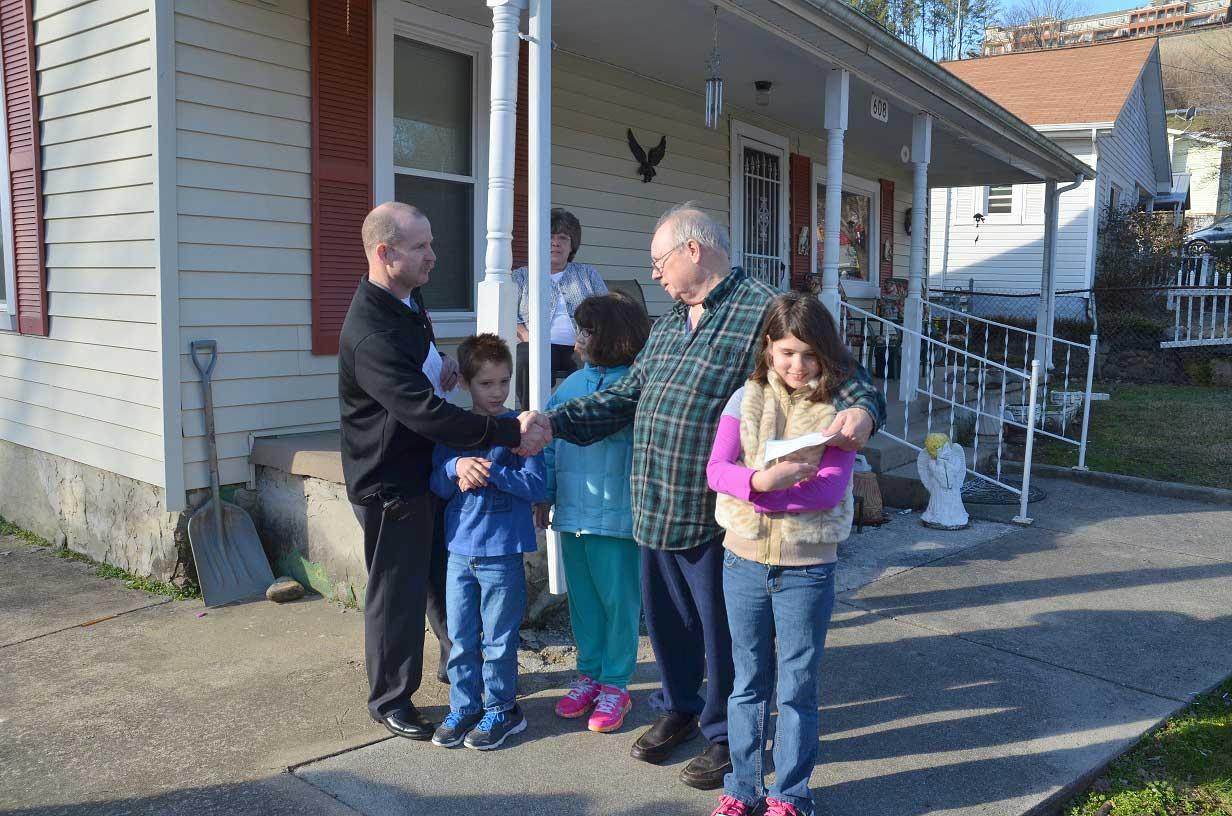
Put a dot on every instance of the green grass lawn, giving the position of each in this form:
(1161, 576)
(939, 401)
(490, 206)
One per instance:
(1182, 769)
(1167, 432)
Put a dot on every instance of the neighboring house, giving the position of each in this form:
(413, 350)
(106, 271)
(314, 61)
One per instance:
(1103, 104)
(1208, 163)
(199, 169)
(1156, 18)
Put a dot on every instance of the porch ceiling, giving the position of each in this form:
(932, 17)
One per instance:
(669, 40)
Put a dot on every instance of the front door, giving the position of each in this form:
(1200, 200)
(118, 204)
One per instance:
(759, 203)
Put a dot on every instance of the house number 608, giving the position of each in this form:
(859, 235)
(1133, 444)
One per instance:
(880, 109)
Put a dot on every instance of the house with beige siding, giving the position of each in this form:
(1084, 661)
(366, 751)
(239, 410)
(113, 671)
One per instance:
(1207, 162)
(1103, 104)
(198, 169)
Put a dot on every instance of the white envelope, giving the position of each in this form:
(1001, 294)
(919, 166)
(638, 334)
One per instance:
(778, 448)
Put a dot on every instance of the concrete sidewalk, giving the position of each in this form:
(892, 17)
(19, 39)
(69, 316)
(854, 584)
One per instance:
(989, 671)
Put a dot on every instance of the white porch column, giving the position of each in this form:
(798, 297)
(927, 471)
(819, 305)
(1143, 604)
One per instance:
(498, 296)
(540, 200)
(913, 309)
(838, 85)
(1043, 317)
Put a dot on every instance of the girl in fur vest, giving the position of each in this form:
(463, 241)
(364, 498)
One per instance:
(784, 522)
(590, 488)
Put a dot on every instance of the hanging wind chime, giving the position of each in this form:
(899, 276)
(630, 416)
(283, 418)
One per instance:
(714, 81)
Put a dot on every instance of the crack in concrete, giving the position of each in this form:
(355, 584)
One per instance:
(92, 622)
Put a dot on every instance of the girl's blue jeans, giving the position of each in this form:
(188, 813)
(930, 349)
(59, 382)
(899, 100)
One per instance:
(485, 599)
(790, 607)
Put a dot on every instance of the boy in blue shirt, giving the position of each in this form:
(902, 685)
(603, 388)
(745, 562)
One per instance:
(488, 526)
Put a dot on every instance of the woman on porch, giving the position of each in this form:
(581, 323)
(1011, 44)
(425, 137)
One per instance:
(571, 284)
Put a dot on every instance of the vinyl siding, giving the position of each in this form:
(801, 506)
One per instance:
(1008, 256)
(91, 390)
(1208, 166)
(1125, 154)
(243, 165)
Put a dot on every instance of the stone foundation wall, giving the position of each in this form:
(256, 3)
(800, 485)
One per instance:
(310, 533)
(111, 518)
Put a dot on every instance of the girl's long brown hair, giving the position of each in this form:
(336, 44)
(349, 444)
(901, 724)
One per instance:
(803, 317)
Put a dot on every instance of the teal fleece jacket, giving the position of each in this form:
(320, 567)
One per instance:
(590, 485)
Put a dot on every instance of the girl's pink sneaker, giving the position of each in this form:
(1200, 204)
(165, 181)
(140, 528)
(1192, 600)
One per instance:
(776, 808)
(610, 709)
(731, 806)
(582, 695)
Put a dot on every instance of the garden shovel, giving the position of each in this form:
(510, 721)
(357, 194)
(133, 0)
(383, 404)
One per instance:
(231, 565)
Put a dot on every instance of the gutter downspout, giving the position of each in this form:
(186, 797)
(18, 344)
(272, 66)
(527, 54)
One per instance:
(1046, 316)
(1093, 216)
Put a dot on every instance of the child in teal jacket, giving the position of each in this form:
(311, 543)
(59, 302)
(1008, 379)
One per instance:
(590, 488)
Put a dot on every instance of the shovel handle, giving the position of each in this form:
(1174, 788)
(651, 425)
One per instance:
(202, 347)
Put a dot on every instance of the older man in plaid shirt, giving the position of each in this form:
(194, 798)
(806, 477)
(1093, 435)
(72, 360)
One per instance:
(697, 356)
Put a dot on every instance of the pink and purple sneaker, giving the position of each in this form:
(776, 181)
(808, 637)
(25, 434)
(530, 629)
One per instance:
(611, 706)
(580, 698)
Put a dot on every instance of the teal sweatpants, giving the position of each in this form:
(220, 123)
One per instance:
(605, 604)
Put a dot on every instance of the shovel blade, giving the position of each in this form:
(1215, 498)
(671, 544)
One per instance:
(234, 568)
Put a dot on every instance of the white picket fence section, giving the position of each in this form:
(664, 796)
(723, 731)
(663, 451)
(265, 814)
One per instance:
(1066, 383)
(984, 396)
(1201, 304)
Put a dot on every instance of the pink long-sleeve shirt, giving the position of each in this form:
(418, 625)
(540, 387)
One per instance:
(726, 474)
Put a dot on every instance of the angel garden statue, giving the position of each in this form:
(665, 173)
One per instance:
(943, 468)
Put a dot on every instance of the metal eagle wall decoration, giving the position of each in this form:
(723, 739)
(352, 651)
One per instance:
(646, 163)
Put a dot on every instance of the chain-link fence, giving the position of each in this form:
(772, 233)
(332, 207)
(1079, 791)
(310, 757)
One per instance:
(1178, 332)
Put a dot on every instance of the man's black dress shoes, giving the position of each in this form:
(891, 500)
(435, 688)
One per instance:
(408, 723)
(707, 769)
(669, 730)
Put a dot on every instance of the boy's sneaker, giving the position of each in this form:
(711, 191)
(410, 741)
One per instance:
(495, 728)
(731, 806)
(610, 709)
(581, 696)
(776, 808)
(451, 732)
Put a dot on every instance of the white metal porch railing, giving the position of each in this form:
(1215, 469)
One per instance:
(996, 388)
(1066, 383)
(1201, 305)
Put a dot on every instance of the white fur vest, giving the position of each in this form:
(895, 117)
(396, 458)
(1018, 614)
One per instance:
(787, 539)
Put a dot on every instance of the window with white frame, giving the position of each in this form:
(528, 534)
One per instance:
(430, 143)
(859, 262)
(1001, 199)
(434, 160)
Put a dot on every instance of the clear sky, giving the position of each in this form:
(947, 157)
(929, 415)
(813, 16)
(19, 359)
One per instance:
(1097, 6)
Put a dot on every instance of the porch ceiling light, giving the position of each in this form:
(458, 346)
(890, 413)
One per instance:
(763, 91)
(714, 81)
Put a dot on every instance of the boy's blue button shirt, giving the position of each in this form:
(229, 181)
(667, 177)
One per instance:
(497, 519)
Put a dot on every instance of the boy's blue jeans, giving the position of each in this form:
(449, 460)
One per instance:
(790, 605)
(485, 599)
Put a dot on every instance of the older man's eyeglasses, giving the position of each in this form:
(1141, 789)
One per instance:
(657, 265)
(584, 334)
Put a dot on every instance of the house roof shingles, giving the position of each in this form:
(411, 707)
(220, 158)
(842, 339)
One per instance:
(1060, 86)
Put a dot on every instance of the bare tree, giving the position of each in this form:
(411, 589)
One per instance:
(1035, 24)
(1197, 71)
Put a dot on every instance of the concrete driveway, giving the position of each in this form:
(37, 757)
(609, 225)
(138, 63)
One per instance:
(992, 671)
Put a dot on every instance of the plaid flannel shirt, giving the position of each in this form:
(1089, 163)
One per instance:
(674, 394)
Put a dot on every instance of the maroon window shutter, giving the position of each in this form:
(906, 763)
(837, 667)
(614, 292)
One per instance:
(801, 206)
(521, 164)
(341, 160)
(886, 231)
(25, 179)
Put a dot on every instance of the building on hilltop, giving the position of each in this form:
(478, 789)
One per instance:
(1156, 18)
